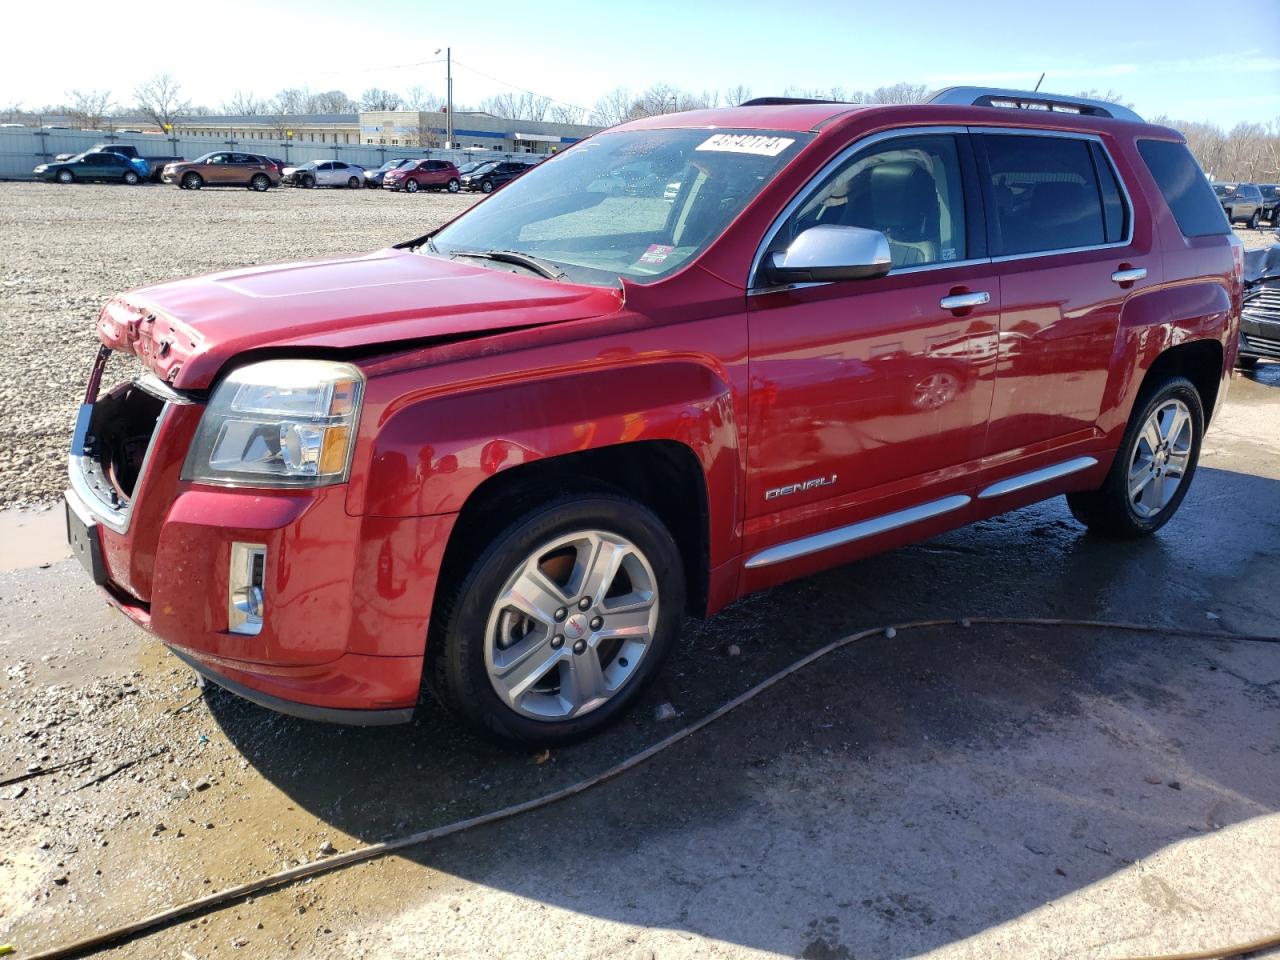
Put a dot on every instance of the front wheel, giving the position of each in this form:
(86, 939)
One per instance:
(353, 183)
(1153, 467)
(307, 182)
(132, 178)
(66, 176)
(454, 185)
(1255, 220)
(260, 182)
(411, 186)
(193, 181)
(486, 186)
(559, 623)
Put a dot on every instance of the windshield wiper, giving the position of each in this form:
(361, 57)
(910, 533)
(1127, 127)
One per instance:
(544, 268)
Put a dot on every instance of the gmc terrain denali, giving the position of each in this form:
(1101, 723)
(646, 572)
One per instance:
(687, 358)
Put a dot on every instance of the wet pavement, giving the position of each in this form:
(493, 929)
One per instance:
(953, 792)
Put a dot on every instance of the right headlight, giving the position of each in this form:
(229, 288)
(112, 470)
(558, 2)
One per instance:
(279, 423)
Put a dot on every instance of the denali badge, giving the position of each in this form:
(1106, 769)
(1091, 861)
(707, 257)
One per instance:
(799, 487)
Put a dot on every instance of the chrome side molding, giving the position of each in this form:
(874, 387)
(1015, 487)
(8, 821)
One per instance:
(1043, 475)
(855, 531)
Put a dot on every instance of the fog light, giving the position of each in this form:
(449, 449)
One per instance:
(246, 601)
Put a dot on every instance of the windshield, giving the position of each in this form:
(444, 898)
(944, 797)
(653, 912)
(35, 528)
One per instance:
(469, 166)
(485, 167)
(1270, 190)
(636, 203)
(390, 165)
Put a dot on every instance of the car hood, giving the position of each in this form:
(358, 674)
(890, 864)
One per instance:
(185, 331)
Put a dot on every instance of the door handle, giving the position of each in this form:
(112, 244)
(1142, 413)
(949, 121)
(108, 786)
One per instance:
(964, 301)
(1130, 276)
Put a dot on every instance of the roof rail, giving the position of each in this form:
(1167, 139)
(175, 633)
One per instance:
(782, 101)
(1027, 100)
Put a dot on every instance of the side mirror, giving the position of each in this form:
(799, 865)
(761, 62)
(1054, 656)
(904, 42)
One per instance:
(827, 253)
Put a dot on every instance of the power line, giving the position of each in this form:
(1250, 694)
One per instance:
(390, 66)
(513, 86)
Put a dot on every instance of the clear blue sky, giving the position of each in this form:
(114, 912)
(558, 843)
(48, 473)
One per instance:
(1186, 58)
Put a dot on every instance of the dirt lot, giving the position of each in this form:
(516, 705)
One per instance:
(955, 793)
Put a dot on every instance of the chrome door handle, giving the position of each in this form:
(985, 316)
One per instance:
(963, 301)
(1129, 276)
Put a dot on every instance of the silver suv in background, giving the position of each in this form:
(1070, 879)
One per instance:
(1242, 202)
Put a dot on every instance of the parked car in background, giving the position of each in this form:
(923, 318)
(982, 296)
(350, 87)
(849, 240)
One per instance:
(424, 175)
(224, 168)
(325, 173)
(488, 177)
(101, 167)
(1260, 317)
(471, 165)
(1270, 202)
(156, 163)
(373, 178)
(1241, 202)
(506, 459)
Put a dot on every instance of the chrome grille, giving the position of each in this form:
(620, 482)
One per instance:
(1264, 305)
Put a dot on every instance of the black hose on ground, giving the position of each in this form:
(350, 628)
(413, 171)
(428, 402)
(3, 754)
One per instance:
(360, 854)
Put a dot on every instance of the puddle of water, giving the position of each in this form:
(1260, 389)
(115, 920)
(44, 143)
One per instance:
(29, 538)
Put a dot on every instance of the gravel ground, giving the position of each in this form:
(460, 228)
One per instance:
(65, 250)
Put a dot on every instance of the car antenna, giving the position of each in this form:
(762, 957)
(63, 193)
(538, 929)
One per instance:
(1038, 82)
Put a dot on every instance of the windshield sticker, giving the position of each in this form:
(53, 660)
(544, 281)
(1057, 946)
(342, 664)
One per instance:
(656, 253)
(747, 143)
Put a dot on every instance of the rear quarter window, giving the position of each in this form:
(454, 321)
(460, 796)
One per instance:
(1191, 199)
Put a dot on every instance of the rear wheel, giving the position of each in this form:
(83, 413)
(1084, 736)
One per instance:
(66, 176)
(411, 186)
(260, 182)
(558, 624)
(193, 181)
(131, 178)
(1153, 467)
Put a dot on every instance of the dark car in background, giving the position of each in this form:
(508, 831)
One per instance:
(1270, 201)
(423, 175)
(1242, 202)
(1260, 316)
(488, 177)
(373, 178)
(98, 167)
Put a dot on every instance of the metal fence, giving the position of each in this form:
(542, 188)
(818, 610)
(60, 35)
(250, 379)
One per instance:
(23, 148)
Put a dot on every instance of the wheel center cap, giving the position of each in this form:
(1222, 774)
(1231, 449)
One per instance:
(575, 627)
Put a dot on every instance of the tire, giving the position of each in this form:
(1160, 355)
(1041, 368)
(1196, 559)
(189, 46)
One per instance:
(131, 178)
(353, 183)
(307, 182)
(260, 182)
(411, 186)
(192, 181)
(453, 186)
(1110, 510)
(486, 186)
(572, 685)
(1255, 220)
(66, 176)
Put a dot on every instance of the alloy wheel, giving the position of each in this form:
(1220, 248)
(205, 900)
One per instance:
(571, 625)
(1161, 457)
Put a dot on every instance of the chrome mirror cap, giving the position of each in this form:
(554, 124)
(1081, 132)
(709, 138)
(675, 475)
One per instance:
(827, 253)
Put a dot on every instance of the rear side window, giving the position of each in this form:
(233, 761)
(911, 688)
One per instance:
(1115, 214)
(1045, 194)
(1190, 197)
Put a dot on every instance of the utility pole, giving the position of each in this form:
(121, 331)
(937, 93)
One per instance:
(448, 92)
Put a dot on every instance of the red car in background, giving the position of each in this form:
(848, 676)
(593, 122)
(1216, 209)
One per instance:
(423, 175)
(507, 458)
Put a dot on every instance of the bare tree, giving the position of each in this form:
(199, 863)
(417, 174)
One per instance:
(244, 104)
(377, 99)
(564, 113)
(418, 97)
(612, 108)
(1111, 96)
(331, 101)
(737, 94)
(13, 113)
(517, 106)
(899, 93)
(90, 108)
(160, 99)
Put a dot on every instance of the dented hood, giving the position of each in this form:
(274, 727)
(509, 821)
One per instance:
(186, 330)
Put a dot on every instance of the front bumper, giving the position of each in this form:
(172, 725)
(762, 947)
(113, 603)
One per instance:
(1260, 324)
(347, 599)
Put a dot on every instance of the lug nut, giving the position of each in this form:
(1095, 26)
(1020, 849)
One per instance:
(557, 641)
(584, 603)
(580, 646)
(597, 623)
(561, 614)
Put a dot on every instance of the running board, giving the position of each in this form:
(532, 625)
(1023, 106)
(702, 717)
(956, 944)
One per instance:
(1043, 475)
(855, 531)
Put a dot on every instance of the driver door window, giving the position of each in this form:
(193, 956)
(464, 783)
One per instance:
(909, 189)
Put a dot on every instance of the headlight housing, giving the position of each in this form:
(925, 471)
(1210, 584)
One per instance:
(279, 423)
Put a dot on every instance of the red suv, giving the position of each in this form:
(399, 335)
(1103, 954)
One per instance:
(423, 175)
(687, 358)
